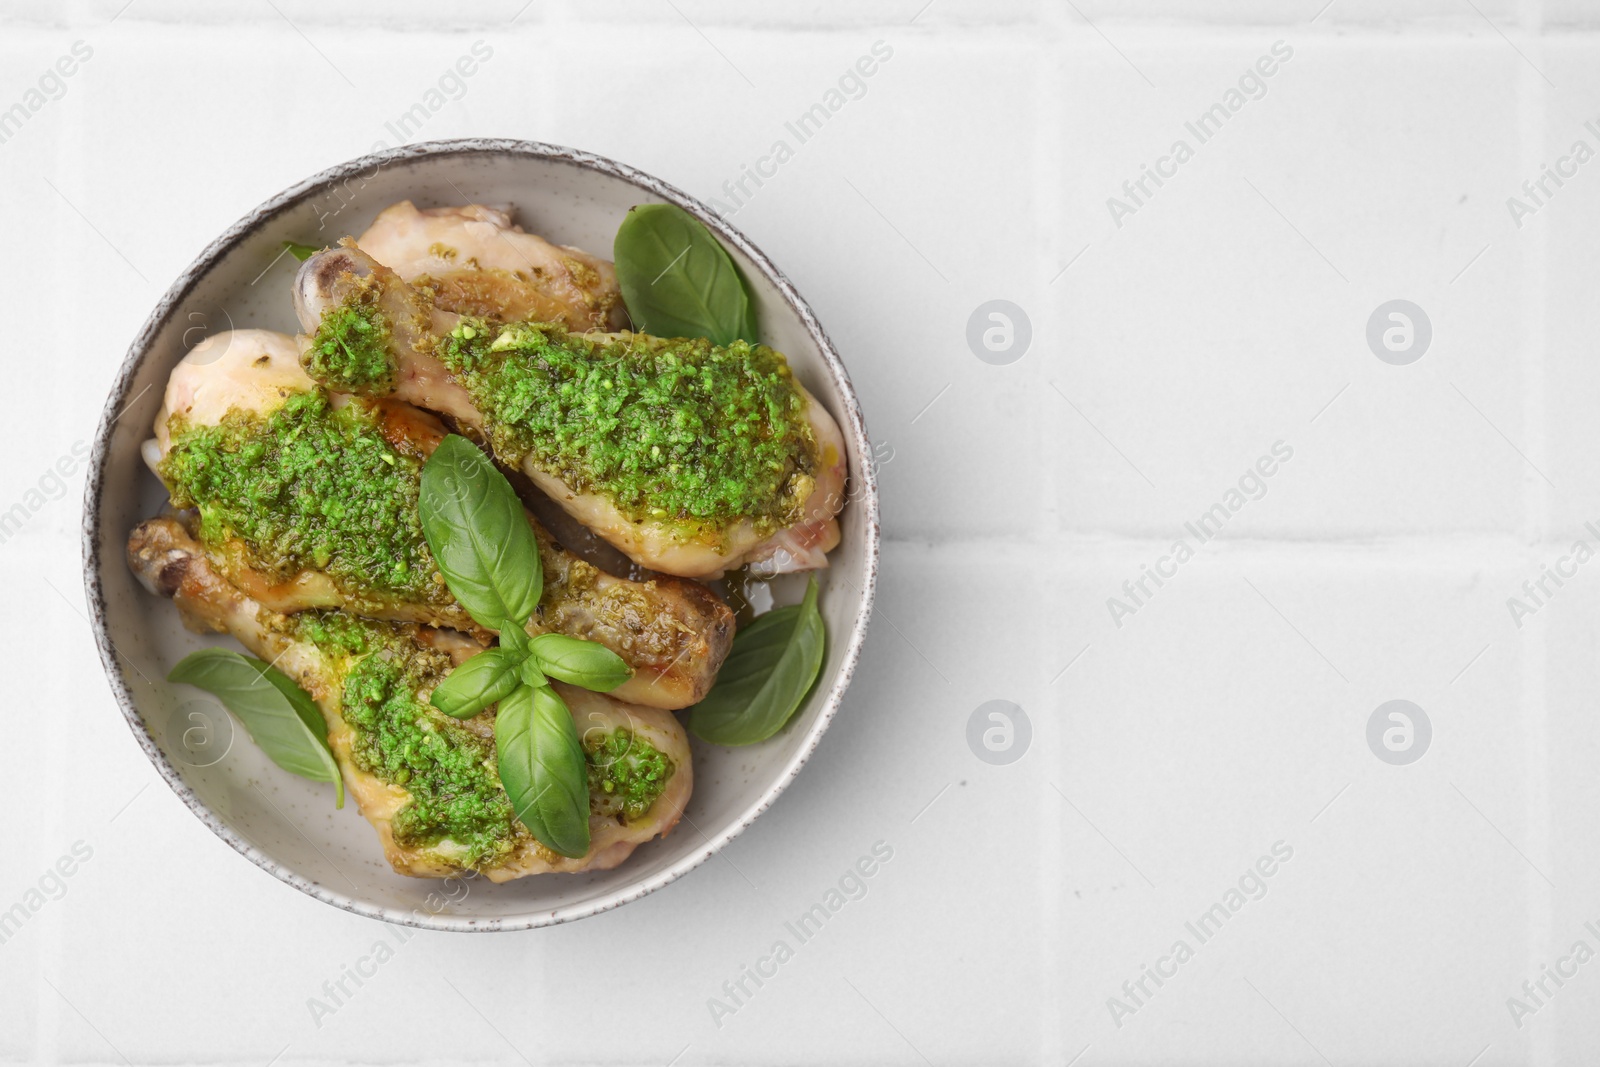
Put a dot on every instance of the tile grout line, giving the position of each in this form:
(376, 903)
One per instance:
(1073, 238)
(1050, 184)
(1533, 98)
(1362, 550)
(1460, 25)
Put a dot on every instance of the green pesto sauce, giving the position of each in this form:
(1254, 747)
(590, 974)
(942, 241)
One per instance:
(676, 431)
(626, 774)
(448, 769)
(338, 635)
(447, 766)
(350, 352)
(310, 487)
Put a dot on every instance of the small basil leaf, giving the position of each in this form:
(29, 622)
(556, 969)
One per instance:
(531, 673)
(485, 679)
(579, 662)
(278, 714)
(479, 535)
(772, 666)
(542, 768)
(514, 639)
(677, 281)
(300, 251)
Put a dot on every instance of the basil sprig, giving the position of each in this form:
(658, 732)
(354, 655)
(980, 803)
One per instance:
(486, 550)
(772, 666)
(278, 714)
(677, 281)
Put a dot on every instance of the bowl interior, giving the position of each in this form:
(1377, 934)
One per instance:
(287, 825)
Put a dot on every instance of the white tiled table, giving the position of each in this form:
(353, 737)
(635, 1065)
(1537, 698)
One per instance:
(1228, 713)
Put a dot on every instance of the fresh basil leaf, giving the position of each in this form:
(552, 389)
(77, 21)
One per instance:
(677, 281)
(532, 675)
(300, 251)
(772, 666)
(479, 535)
(579, 662)
(278, 714)
(485, 679)
(542, 768)
(514, 639)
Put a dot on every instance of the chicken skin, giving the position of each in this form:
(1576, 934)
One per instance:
(473, 261)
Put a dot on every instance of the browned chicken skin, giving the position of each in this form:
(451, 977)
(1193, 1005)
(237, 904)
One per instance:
(474, 261)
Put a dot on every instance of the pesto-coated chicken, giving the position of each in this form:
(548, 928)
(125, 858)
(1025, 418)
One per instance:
(472, 260)
(427, 782)
(305, 500)
(691, 459)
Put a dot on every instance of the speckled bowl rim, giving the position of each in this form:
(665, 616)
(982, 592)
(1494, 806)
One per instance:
(851, 420)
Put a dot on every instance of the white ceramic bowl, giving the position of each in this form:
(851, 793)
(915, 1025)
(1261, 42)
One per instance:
(287, 826)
